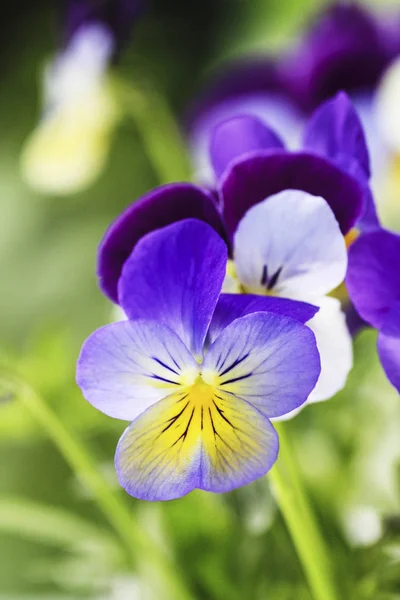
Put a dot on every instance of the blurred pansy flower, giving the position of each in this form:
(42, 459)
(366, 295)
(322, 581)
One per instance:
(373, 281)
(199, 373)
(346, 48)
(68, 148)
(284, 215)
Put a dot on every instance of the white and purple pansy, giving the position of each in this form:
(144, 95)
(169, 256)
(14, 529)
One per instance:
(199, 373)
(373, 281)
(283, 214)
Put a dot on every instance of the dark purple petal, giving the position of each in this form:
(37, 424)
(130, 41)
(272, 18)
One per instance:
(353, 320)
(335, 130)
(174, 276)
(373, 276)
(257, 177)
(162, 206)
(117, 15)
(369, 220)
(389, 345)
(237, 136)
(344, 49)
(233, 306)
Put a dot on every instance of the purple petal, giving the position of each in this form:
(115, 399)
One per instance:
(269, 360)
(174, 276)
(263, 174)
(369, 220)
(344, 50)
(334, 130)
(237, 136)
(162, 206)
(233, 306)
(125, 367)
(389, 345)
(373, 277)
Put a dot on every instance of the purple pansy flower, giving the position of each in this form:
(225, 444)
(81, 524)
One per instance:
(283, 215)
(198, 373)
(346, 48)
(373, 281)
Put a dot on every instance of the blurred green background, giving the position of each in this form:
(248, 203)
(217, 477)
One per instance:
(55, 542)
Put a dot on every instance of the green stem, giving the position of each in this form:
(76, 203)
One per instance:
(135, 540)
(158, 128)
(301, 523)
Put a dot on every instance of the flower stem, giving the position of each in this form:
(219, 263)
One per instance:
(158, 128)
(136, 541)
(301, 522)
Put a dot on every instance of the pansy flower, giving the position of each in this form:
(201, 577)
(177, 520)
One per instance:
(347, 47)
(373, 281)
(199, 373)
(283, 214)
(68, 148)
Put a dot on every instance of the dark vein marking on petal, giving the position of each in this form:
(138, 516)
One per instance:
(236, 379)
(264, 276)
(234, 364)
(160, 362)
(273, 281)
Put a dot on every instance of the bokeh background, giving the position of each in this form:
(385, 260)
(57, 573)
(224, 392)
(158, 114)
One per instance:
(55, 541)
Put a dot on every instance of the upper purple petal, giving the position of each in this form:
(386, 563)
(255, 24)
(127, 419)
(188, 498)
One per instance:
(335, 130)
(237, 136)
(262, 174)
(389, 345)
(174, 276)
(233, 306)
(162, 206)
(373, 276)
(345, 49)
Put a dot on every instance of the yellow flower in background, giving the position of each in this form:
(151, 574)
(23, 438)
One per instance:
(69, 147)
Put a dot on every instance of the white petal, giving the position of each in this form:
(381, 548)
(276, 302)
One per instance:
(296, 235)
(335, 347)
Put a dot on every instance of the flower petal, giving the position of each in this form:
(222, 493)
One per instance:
(269, 360)
(335, 130)
(160, 207)
(342, 50)
(373, 277)
(200, 440)
(126, 367)
(174, 276)
(290, 244)
(233, 306)
(389, 345)
(237, 136)
(335, 348)
(251, 180)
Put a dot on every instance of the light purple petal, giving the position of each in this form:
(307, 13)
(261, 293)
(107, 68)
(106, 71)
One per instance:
(335, 130)
(125, 367)
(160, 207)
(269, 360)
(203, 440)
(174, 276)
(233, 306)
(389, 345)
(236, 136)
(373, 277)
(263, 174)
